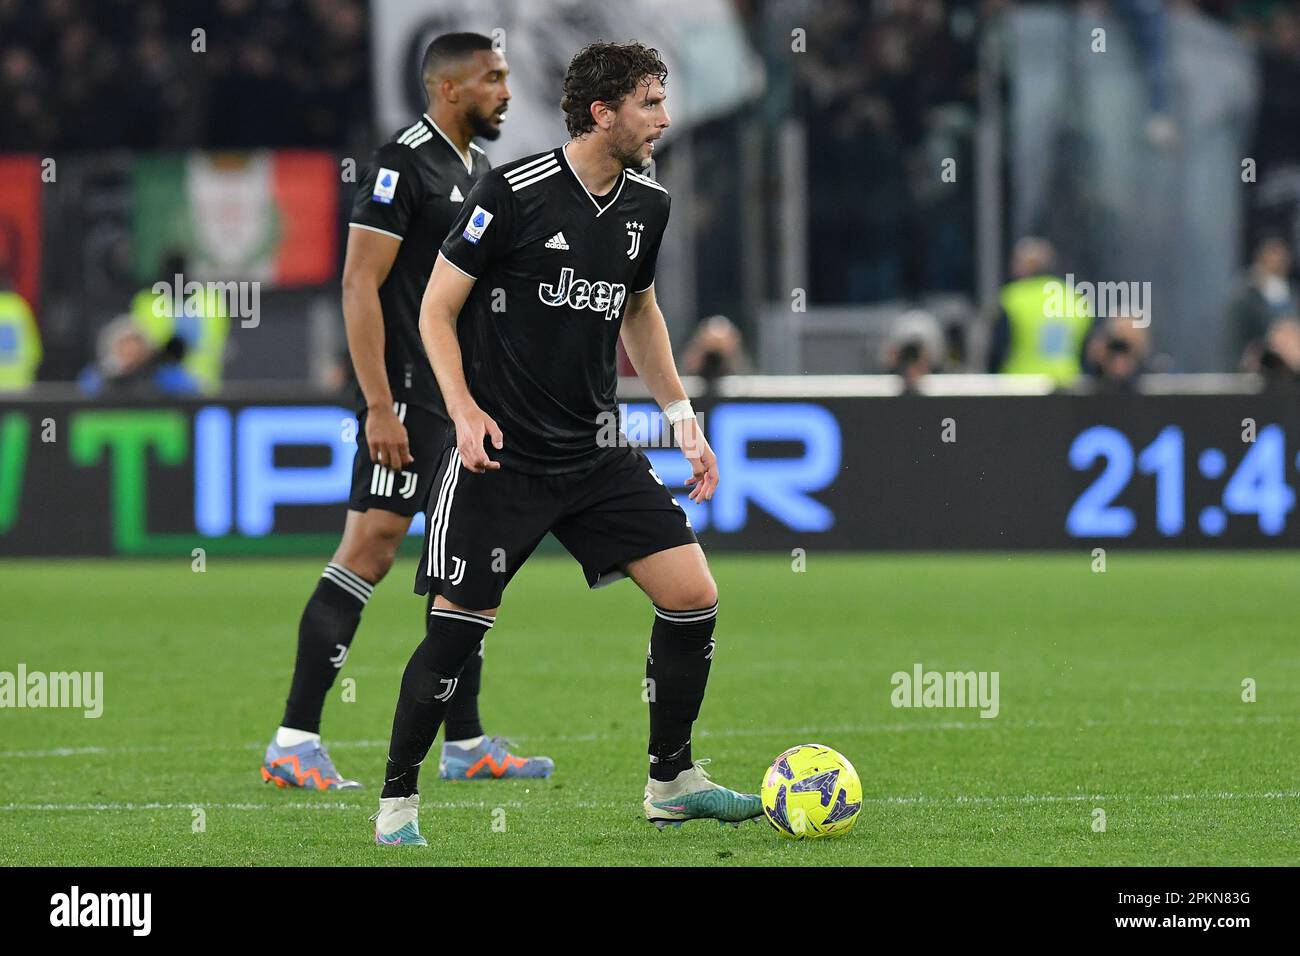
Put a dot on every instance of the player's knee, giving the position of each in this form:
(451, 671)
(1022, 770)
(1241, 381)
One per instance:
(708, 593)
(372, 551)
(371, 563)
(699, 592)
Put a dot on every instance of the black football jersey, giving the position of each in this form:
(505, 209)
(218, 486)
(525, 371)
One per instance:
(554, 267)
(413, 190)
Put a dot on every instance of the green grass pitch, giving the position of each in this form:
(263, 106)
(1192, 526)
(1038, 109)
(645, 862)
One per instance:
(1119, 691)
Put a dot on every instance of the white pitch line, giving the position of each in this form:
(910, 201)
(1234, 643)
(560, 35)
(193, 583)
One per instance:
(637, 733)
(806, 733)
(956, 799)
(82, 751)
(287, 805)
(964, 799)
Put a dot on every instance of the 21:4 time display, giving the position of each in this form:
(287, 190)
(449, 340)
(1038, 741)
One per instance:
(1257, 486)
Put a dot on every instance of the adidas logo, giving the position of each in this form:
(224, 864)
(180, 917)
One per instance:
(557, 242)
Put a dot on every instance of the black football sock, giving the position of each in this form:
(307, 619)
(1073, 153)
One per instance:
(677, 671)
(462, 711)
(428, 684)
(329, 622)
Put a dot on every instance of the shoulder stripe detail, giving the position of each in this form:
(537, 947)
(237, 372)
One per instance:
(551, 171)
(419, 140)
(411, 132)
(457, 268)
(527, 169)
(645, 181)
(362, 225)
(478, 148)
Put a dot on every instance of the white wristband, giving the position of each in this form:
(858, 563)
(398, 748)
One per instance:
(678, 410)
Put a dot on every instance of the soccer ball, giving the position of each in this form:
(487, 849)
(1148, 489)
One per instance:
(811, 791)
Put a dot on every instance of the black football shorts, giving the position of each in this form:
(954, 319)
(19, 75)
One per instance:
(481, 528)
(401, 492)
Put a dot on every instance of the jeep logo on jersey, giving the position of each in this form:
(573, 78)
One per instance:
(604, 297)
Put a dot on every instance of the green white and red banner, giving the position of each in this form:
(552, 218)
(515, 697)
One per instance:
(262, 216)
(20, 225)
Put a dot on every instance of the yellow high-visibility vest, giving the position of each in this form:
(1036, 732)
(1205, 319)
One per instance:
(204, 327)
(1047, 330)
(20, 343)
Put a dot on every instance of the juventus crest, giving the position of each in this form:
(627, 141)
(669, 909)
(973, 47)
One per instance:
(634, 230)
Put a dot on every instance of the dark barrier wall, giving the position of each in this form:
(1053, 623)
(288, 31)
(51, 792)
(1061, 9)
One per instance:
(851, 473)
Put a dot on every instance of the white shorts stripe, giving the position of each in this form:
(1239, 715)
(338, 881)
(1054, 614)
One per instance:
(446, 520)
(435, 515)
(431, 565)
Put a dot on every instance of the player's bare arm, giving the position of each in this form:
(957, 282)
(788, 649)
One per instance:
(444, 297)
(645, 337)
(369, 257)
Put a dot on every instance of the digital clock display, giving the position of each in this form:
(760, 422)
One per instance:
(1253, 482)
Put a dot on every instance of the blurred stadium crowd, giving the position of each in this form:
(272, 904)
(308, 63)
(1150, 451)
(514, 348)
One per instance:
(889, 89)
(102, 74)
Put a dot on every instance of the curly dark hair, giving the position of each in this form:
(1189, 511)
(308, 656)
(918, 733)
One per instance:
(605, 72)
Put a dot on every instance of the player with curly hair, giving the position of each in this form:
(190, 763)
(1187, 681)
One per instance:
(567, 240)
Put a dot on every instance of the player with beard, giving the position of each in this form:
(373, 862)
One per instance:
(405, 204)
(551, 260)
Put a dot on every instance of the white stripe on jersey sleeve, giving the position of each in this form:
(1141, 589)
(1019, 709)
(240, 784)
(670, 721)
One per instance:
(362, 225)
